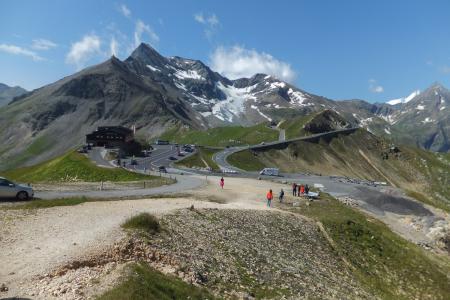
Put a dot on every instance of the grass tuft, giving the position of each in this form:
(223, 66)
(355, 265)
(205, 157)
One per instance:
(145, 283)
(143, 221)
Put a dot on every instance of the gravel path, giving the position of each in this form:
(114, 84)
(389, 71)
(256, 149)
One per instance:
(36, 242)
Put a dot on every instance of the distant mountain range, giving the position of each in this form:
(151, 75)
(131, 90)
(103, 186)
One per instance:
(156, 93)
(7, 93)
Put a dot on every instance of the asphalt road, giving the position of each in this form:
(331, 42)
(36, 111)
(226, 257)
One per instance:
(374, 199)
(184, 183)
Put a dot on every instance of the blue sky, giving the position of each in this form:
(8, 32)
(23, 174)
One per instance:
(373, 50)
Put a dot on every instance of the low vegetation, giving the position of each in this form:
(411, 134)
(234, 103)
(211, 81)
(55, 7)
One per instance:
(386, 264)
(145, 283)
(143, 221)
(73, 167)
(360, 155)
(246, 160)
(223, 136)
(203, 158)
(294, 126)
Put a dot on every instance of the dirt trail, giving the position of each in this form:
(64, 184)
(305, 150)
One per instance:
(376, 169)
(36, 242)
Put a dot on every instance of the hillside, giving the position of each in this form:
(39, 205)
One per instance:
(156, 93)
(72, 167)
(361, 155)
(222, 136)
(8, 93)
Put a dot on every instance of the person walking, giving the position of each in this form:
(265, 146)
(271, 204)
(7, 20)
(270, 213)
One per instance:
(294, 189)
(298, 190)
(281, 196)
(269, 197)
(222, 182)
(306, 189)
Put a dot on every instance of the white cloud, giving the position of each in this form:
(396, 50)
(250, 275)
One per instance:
(445, 69)
(237, 62)
(374, 87)
(199, 18)
(211, 20)
(16, 50)
(125, 10)
(142, 28)
(210, 23)
(83, 50)
(43, 44)
(114, 47)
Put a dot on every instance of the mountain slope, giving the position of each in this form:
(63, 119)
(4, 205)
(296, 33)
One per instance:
(157, 93)
(362, 155)
(57, 117)
(425, 120)
(7, 93)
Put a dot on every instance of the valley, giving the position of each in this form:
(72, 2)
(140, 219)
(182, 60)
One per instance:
(125, 159)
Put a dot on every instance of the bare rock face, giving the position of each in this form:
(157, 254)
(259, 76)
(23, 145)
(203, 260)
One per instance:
(325, 121)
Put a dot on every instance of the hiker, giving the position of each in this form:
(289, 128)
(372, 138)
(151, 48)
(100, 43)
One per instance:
(222, 182)
(298, 190)
(306, 189)
(281, 196)
(302, 190)
(294, 189)
(269, 198)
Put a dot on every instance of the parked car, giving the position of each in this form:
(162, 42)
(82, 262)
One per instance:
(162, 169)
(269, 171)
(9, 189)
(172, 158)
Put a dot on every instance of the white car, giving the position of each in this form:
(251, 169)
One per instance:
(10, 189)
(270, 171)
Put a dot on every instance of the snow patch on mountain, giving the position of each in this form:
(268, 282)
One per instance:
(297, 98)
(387, 130)
(420, 107)
(277, 84)
(188, 74)
(427, 120)
(154, 69)
(234, 104)
(257, 109)
(404, 99)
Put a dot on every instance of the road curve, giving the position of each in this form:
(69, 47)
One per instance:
(184, 183)
(221, 157)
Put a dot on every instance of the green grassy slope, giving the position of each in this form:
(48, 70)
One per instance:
(199, 158)
(389, 266)
(145, 283)
(222, 136)
(294, 126)
(359, 155)
(72, 167)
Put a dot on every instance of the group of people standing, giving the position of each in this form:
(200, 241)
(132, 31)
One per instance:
(299, 189)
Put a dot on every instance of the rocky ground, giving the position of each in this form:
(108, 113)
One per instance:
(235, 253)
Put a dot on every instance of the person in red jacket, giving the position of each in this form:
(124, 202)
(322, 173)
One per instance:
(269, 197)
(302, 190)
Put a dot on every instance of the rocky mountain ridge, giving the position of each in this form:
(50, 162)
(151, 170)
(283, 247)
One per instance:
(8, 93)
(155, 93)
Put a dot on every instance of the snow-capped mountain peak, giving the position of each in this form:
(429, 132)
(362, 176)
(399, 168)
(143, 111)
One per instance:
(404, 99)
